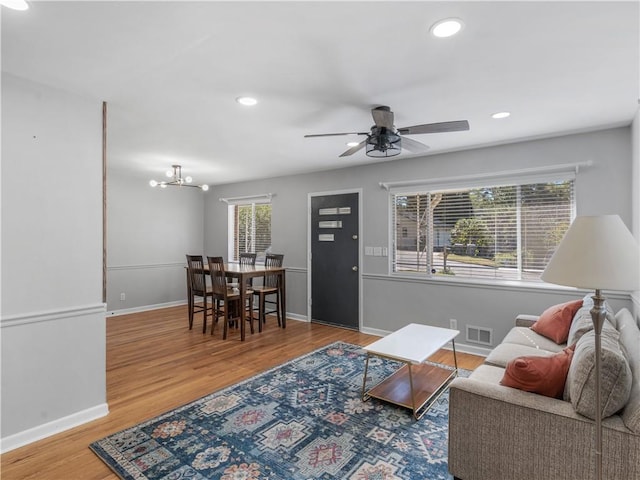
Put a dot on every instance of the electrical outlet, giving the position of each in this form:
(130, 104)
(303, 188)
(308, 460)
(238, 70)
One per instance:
(453, 324)
(122, 297)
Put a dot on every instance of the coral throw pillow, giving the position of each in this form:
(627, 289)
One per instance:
(555, 322)
(542, 375)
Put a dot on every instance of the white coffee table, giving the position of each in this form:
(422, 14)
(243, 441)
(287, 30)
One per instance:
(416, 385)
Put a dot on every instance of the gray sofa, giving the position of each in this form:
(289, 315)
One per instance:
(497, 432)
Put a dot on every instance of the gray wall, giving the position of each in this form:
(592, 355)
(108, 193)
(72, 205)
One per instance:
(149, 232)
(635, 194)
(52, 324)
(390, 302)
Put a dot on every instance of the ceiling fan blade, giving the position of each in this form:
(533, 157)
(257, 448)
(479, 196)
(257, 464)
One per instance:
(413, 146)
(455, 126)
(353, 150)
(335, 134)
(383, 117)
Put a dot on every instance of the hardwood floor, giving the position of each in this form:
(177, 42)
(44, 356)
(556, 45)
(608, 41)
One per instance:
(154, 364)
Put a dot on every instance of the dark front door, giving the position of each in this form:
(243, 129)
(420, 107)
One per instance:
(334, 260)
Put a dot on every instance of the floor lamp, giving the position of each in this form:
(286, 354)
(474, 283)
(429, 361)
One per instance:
(597, 253)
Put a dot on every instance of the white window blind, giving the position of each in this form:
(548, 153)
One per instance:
(502, 231)
(249, 229)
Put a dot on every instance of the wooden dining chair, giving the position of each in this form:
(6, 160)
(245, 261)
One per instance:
(197, 287)
(225, 295)
(270, 287)
(246, 258)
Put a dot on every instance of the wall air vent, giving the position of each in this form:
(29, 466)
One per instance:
(479, 335)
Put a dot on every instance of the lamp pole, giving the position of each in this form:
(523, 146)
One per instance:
(598, 315)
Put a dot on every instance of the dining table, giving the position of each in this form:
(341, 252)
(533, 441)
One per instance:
(243, 273)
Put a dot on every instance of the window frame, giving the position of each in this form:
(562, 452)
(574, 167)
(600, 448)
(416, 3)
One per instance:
(561, 173)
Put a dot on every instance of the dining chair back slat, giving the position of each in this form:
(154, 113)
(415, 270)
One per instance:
(195, 265)
(272, 260)
(247, 258)
(218, 277)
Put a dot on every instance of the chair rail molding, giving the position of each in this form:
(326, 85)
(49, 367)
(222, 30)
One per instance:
(7, 321)
(146, 266)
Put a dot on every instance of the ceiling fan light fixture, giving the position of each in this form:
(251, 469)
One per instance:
(383, 144)
(446, 27)
(352, 144)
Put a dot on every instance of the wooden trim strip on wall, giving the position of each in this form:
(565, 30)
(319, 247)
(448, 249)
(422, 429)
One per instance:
(51, 315)
(149, 265)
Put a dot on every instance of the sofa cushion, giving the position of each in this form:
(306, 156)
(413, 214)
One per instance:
(488, 374)
(528, 338)
(582, 322)
(630, 341)
(555, 321)
(505, 352)
(542, 375)
(615, 381)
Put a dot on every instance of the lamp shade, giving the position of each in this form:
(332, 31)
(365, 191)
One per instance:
(597, 252)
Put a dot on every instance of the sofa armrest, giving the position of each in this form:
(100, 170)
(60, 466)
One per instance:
(497, 432)
(524, 320)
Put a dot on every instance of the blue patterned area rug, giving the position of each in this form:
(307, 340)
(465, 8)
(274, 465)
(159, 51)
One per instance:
(301, 420)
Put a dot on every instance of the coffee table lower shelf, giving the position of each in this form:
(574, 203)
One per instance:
(413, 386)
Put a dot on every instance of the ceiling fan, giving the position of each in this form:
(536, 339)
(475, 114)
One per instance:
(385, 140)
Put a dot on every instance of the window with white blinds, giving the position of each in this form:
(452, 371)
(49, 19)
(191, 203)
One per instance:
(249, 229)
(506, 232)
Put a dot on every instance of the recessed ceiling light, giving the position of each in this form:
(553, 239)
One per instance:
(248, 101)
(500, 115)
(15, 4)
(352, 144)
(446, 28)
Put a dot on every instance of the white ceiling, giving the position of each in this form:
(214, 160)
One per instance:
(170, 73)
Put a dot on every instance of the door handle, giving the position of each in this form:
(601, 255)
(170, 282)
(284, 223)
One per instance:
(354, 268)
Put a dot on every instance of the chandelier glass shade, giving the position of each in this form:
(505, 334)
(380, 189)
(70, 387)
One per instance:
(177, 180)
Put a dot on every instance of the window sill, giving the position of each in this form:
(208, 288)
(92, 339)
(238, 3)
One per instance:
(506, 285)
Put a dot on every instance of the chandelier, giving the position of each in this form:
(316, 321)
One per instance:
(176, 180)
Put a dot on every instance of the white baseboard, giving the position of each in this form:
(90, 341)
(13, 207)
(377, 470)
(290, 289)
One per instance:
(46, 430)
(295, 316)
(472, 349)
(145, 308)
(375, 331)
